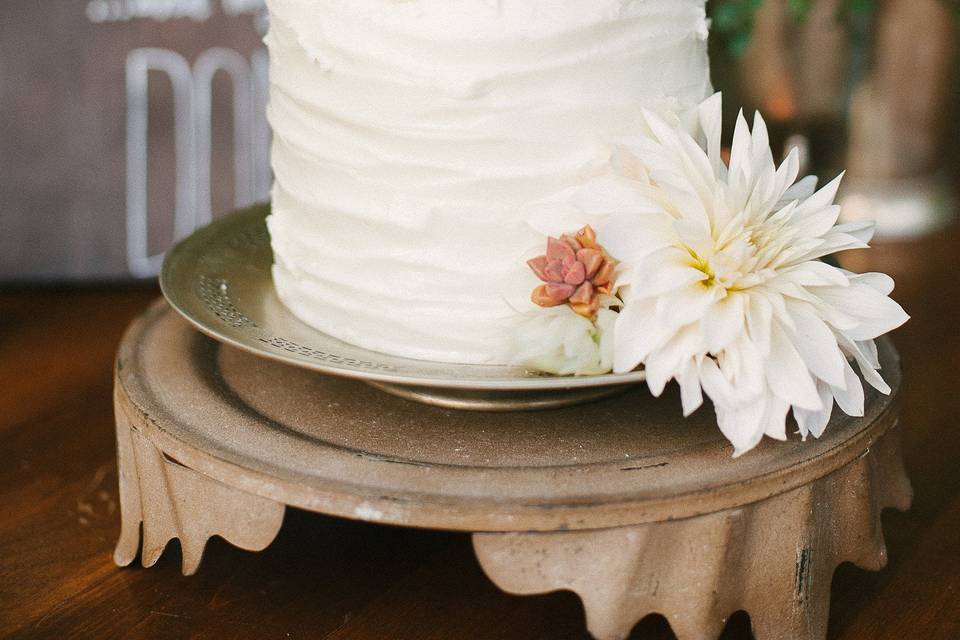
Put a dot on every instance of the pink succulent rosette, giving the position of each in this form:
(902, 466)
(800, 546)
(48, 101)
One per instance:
(576, 271)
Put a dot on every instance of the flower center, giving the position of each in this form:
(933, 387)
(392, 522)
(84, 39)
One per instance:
(702, 264)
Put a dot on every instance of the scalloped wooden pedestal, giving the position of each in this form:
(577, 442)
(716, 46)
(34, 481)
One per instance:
(623, 501)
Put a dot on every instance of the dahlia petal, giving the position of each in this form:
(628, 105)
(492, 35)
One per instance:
(763, 195)
(658, 374)
(815, 422)
(760, 154)
(623, 240)
(862, 231)
(873, 378)
(698, 168)
(742, 426)
(684, 202)
(786, 176)
(740, 146)
(715, 385)
(691, 394)
(801, 190)
(877, 313)
(881, 282)
(779, 305)
(821, 199)
(833, 242)
(869, 353)
(668, 360)
(710, 112)
(838, 320)
(788, 377)
(817, 346)
(723, 322)
(740, 178)
(775, 418)
(850, 399)
(633, 335)
(750, 371)
(662, 131)
(819, 222)
(865, 353)
(814, 273)
(686, 305)
(671, 275)
(759, 315)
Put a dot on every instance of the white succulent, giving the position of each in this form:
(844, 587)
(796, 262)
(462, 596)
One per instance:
(558, 341)
(721, 280)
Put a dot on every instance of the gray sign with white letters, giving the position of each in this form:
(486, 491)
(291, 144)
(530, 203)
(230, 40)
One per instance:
(124, 124)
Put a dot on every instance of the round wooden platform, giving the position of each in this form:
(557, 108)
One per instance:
(343, 448)
(212, 440)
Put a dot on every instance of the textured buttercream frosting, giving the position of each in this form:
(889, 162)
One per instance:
(410, 136)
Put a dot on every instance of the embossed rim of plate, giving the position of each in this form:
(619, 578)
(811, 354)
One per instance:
(230, 260)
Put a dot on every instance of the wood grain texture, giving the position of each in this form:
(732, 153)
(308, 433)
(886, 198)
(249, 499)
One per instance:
(332, 579)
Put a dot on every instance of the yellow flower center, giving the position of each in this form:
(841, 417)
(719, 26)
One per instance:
(703, 265)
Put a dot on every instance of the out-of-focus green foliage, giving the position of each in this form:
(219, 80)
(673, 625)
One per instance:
(734, 19)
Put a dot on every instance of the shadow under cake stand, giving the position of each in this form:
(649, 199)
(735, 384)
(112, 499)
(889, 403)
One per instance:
(622, 501)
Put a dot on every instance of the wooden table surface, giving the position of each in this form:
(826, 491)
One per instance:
(329, 579)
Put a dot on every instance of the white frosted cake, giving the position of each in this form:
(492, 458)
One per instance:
(410, 138)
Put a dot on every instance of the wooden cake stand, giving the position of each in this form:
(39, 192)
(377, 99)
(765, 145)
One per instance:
(623, 501)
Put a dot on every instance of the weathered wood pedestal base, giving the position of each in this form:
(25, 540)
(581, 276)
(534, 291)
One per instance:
(623, 502)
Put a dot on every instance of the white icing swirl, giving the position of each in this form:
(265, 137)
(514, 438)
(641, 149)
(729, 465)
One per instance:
(409, 135)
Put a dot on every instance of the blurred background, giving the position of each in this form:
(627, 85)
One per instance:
(124, 124)
(866, 86)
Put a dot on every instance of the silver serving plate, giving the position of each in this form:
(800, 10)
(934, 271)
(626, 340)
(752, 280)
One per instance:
(219, 279)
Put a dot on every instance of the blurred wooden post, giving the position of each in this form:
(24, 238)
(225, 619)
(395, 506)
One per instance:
(898, 122)
(897, 117)
(797, 73)
(899, 113)
(797, 77)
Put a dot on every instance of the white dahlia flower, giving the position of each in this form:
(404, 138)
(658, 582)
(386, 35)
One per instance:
(722, 285)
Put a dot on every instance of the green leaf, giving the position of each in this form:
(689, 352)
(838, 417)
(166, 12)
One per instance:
(726, 16)
(739, 44)
(800, 9)
(860, 7)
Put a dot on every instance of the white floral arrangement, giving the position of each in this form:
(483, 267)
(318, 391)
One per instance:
(711, 275)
